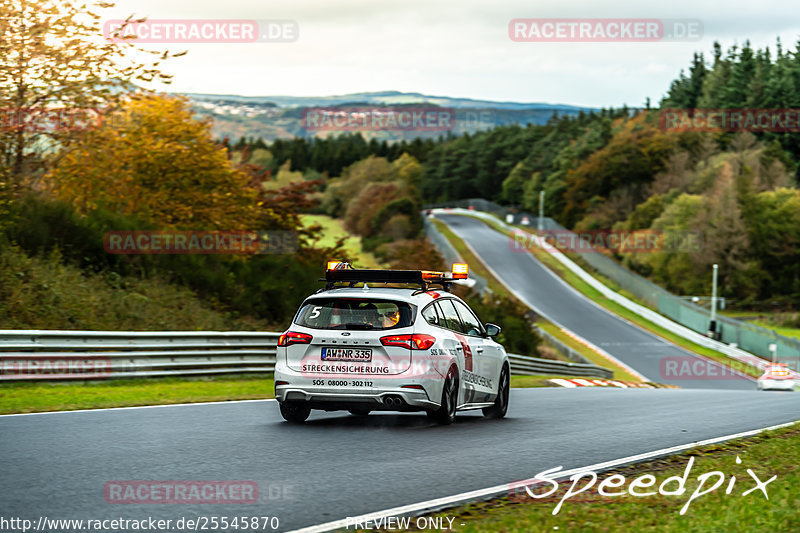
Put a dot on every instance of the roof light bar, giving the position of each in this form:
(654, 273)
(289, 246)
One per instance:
(460, 271)
(337, 265)
(340, 271)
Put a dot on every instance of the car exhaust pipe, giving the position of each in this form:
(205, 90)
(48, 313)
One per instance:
(393, 401)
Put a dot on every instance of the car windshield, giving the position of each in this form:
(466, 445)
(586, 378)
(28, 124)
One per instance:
(354, 313)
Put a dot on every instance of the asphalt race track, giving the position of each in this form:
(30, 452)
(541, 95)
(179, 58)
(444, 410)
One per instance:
(338, 465)
(650, 355)
(56, 465)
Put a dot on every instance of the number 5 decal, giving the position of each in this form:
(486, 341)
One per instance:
(314, 312)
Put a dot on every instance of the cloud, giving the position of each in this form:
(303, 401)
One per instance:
(455, 48)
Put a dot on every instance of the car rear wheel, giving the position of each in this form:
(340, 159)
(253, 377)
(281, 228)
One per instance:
(296, 413)
(446, 413)
(500, 407)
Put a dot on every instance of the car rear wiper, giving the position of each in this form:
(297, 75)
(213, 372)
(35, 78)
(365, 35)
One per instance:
(360, 326)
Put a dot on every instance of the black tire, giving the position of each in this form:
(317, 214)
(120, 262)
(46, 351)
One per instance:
(295, 413)
(446, 413)
(359, 411)
(500, 407)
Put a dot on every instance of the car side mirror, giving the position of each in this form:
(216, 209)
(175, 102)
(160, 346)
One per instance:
(492, 330)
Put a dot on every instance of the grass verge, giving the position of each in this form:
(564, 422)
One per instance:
(770, 320)
(66, 396)
(333, 230)
(63, 396)
(767, 454)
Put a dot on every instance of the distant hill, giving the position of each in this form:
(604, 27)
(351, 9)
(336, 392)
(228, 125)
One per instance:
(272, 117)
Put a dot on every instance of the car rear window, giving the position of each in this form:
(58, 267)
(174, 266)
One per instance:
(354, 313)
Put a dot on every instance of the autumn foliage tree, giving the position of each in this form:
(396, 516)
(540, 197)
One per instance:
(154, 160)
(54, 56)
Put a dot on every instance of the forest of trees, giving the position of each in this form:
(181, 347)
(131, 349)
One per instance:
(150, 164)
(616, 168)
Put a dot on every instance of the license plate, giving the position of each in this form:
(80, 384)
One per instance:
(347, 354)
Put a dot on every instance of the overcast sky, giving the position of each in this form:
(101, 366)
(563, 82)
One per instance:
(455, 48)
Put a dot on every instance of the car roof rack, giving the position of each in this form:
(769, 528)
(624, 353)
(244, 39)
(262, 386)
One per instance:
(342, 272)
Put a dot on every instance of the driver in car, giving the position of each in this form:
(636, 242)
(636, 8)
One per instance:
(370, 316)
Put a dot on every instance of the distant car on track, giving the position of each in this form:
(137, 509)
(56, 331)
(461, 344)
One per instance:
(390, 348)
(776, 377)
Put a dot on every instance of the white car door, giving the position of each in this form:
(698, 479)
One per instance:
(485, 366)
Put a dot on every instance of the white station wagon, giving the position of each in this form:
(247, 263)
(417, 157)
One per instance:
(369, 342)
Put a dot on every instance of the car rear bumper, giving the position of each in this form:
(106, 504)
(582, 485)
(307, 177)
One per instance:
(355, 391)
(776, 384)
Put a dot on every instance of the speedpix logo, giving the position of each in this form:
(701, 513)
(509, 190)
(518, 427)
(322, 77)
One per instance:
(614, 486)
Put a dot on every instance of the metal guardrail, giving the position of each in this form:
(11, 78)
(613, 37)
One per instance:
(731, 350)
(565, 350)
(527, 366)
(749, 337)
(450, 254)
(54, 354)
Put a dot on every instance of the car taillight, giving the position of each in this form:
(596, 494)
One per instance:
(418, 341)
(294, 337)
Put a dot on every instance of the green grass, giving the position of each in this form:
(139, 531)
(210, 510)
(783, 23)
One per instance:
(771, 321)
(767, 454)
(64, 396)
(786, 332)
(30, 397)
(590, 292)
(593, 356)
(45, 293)
(333, 230)
(498, 288)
